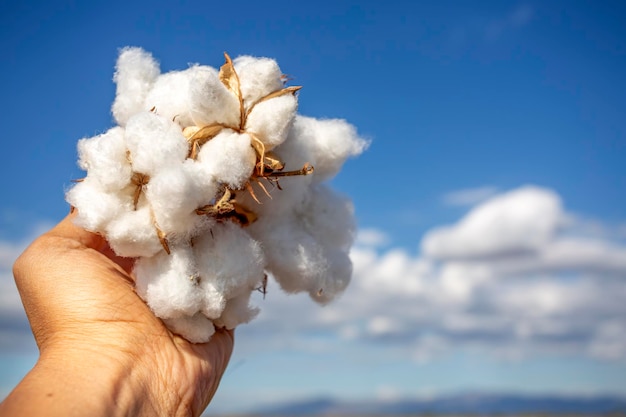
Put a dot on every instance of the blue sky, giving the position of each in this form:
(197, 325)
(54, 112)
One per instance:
(478, 113)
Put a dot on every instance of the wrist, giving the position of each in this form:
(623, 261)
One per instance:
(98, 381)
(104, 374)
(78, 382)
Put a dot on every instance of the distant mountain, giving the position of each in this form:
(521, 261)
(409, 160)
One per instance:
(481, 404)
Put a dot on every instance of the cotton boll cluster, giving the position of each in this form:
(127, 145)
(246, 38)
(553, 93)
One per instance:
(212, 181)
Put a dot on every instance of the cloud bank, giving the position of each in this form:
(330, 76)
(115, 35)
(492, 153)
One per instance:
(516, 277)
(513, 278)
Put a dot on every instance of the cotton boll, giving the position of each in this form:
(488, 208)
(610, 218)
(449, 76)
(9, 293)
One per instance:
(132, 233)
(210, 101)
(279, 201)
(196, 329)
(96, 207)
(294, 257)
(300, 263)
(330, 142)
(170, 96)
(174, 196)
(293, 189)
(136, 72)
(237, 311)
(302, 272)
(335, 279)
(258, 77)
(104, 157)
(230, 158)
(271, 119)
(202, 180)
(328, 216)
(230, 262)
(214, 301)
(307, 246)
(154, 142)
(294, 151)
(169, 282)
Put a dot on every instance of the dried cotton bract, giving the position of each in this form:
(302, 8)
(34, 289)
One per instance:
(212, 181)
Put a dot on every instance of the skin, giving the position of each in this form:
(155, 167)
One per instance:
(102, 351)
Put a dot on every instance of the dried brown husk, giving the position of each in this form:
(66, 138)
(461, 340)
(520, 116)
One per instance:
(228, 208)
(228, 76)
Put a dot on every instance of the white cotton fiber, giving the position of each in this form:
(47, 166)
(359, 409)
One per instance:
(271, 119)
(293, 256)
(154, 142)
(229, 260)
(202, 180)
(132, 233)
(214, 301)
(258, 77)
(95, 206)
(335, 278)
(279, 201)
(104, 157)
(213, 195)
(292, 189)
(329, 217)
(209, 100)
(135, 74)
(174, 197)
(330, 141)
(294, 151)
(169, 283)
(300, 262)
(237, 311)
(196, 329)
(305, 269)
(169, 96)
(229, 157)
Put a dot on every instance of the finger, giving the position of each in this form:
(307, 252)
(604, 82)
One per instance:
(67, 229)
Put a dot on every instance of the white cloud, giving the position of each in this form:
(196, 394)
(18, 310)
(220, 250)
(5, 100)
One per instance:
(383, 325)
(518, 221)
(372, 238)
(510, 278)
(469, 196)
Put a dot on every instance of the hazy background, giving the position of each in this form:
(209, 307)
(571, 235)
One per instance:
(491, 204)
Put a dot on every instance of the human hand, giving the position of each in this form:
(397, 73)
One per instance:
(102, 351)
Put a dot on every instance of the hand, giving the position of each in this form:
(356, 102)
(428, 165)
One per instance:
(102, 351)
